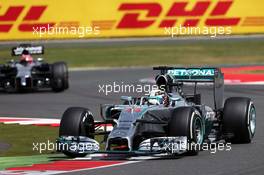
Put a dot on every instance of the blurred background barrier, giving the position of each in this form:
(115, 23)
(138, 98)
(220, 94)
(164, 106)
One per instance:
(60, 19)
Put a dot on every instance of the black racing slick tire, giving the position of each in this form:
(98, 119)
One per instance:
(239, 120)
(59, 79)
(186, 121)
(76, 121)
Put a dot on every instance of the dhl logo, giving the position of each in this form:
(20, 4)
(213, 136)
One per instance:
(152, 15)
(30, 19)
(133, 17)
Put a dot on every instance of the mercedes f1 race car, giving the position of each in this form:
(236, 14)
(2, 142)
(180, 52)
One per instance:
(167, 121)
(32, 74)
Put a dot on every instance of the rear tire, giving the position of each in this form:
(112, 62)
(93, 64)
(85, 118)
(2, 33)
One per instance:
(186, 121)
(76, 121)
(239, 119)
(59, 80)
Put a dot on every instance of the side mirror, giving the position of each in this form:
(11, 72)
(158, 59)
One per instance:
(175, 99)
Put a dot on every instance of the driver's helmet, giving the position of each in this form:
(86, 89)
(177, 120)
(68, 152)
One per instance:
(156, 97)
(26, 57)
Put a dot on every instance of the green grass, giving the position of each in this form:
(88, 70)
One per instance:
(10, 162)
(185, 53)
(22, 137)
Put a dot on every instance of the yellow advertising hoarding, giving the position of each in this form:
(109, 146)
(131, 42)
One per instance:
(57, 19)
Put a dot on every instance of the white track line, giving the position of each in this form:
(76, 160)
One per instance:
(106, 166)
(49, 172)
(40, 121)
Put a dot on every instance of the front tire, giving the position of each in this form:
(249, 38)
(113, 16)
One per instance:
(76, 121)
(239, 119)
(186, 121)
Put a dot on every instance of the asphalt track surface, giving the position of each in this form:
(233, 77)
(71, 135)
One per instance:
(84, 91)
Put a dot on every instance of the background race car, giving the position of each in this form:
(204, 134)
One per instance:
(32, 74)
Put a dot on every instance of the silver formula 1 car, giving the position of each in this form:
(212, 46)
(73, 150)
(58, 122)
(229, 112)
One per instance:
(32, 74)
(167, 121)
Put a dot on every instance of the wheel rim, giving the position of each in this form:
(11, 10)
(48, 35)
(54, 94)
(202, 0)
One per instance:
(87, 121)
(198, 130)
(252, 120)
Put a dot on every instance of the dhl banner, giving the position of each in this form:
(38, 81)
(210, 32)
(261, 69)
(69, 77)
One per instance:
(59, 19)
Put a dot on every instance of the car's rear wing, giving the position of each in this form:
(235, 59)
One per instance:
(171, 76)
(33, 50)
(191, 74)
